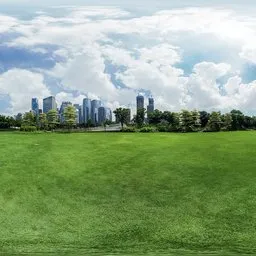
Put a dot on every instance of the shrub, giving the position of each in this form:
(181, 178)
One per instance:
(25, 128)
(147, 129)
(128, 129)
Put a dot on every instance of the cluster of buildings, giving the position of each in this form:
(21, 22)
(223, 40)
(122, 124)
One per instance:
(90, 111)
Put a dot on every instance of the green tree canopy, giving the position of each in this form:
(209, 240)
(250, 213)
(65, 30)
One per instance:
(52, 119)
(122, 115)
(70, 116)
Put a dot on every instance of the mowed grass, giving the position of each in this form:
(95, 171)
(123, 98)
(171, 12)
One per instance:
(128, 193)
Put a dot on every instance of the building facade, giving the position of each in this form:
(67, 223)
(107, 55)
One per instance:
(49, 104)
(35, 106)
(151, 106)
(79, 113)
(140, 102)
(86, 110)
(96, 104)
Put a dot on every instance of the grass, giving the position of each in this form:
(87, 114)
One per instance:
(128, 193)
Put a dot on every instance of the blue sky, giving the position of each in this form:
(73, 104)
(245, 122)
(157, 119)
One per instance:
(187, 54)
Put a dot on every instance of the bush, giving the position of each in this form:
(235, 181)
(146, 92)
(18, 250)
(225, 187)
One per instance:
(147, 129)
(28, 129)
(128, 129)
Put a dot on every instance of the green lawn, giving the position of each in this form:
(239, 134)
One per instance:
(128, 193)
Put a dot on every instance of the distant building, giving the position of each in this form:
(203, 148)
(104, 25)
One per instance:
(40, 111)
(104, 114)
(49, 104)
(101, 115)
(79, 117)
(62, 108)
(94, 111)
(151, 106)
(18, 117)
(109, 114)
(86, 110)
(35, 106)
(140, 102)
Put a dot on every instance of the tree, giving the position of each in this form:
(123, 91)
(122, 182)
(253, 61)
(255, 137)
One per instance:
(186, 121)
(43, 123)
(122, 115)
(29, 119)
(204, 118)
(237, 120)
(196, 121)
(70, 117)
(226, 122)
(52, 119)
(215, 122)
(155, 117)
(140, 117)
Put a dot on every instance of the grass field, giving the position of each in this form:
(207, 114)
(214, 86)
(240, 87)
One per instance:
(128, 193)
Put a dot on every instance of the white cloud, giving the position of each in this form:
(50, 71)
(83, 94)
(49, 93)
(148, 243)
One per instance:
(83, 38)
(22, 85)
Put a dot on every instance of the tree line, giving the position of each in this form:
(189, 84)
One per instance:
(187, 121)
(162, 121)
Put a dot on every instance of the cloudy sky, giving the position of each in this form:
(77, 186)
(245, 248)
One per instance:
(191, 55)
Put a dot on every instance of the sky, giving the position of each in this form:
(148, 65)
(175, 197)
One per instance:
(186, 54)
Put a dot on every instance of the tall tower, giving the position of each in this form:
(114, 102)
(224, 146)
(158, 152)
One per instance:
(94, 114)
(86, 109)
(151, 106)
(35, 106)
(140, 102)
(49, 104)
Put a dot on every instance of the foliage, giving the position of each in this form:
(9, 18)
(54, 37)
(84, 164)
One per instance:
(122, 115)
(147, 129)
(128, 129)
(52, 119)
(6, 122)
(43, 123)
(29, 119)
(140, 117)
(226, 122)
(70, 117)
(214, 124)
(26, 128)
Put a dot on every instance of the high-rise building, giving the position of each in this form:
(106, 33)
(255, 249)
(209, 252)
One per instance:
(140, 102)
(150, 107)
(108, 114)
(86, 110)
(35, 106)
(94, 111)
(49, 104)
(79, 113)
(62, 108)
(104, 114)
(101, 115)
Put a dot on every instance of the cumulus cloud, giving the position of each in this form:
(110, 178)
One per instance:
(22, 85)
(85, 38)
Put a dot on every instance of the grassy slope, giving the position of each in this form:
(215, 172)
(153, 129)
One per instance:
(128, 192)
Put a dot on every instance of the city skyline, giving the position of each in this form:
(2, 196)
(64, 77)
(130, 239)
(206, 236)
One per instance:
(89, 109)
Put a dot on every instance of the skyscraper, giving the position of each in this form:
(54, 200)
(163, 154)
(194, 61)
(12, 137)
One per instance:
(86, 110)
(49, 104)
(140, 102)
(94, 112)
(79, 113)
(150, 107)
(101, 115)
(35, 106)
